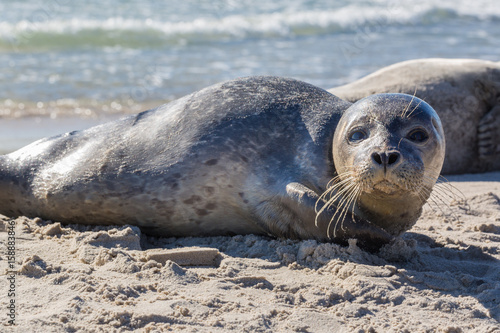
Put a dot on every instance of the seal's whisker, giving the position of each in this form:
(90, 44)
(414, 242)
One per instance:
(358, 193)
(343, 204)
(321, 199)
(331, 188)
(341, 210)
(444, 188)
(333, 181)
(423, 195)
(438, 202)
(449, 191)
(441, 198)
(340, 189)
(352, 202)
(344, 194)
(442, 182)
(416, 107)
(403, 115)
(339, 194)
(424, 198)
(338, 179)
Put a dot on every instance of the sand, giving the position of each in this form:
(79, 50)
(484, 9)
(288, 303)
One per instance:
(441, 276)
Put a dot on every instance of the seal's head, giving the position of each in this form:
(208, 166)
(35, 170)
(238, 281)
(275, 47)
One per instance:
(388, 153)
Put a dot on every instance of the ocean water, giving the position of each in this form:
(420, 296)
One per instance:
(92, 60)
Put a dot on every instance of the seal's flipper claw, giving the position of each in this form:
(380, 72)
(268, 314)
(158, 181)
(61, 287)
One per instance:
(488, 136)
(372, 240)
(369, 236)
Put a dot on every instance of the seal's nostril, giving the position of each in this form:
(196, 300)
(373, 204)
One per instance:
(385, 159)
(393, 158)
(377, 158)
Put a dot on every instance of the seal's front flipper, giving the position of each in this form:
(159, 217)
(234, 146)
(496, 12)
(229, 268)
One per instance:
(304, 202)
(489, 134)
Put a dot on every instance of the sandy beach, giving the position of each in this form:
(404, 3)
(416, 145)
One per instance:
(441, 276)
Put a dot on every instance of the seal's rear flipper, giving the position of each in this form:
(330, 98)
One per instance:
(489, 134)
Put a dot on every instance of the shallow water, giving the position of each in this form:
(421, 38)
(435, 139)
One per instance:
(96, 58)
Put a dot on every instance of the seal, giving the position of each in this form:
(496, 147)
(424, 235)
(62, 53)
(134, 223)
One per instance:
(464, 92)
(261, 155)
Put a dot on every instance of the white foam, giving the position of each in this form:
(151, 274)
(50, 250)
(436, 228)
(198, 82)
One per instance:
(282, 23)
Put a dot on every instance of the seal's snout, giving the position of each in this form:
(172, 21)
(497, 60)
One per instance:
(386, 159)
(384, 172)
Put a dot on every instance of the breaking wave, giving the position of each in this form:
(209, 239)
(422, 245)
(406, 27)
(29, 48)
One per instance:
(137, 33)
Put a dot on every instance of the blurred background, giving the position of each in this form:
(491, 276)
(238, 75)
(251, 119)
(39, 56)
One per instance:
(71, 64)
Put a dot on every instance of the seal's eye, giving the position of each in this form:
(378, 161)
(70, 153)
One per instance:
(418, 135)
(357, 135)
